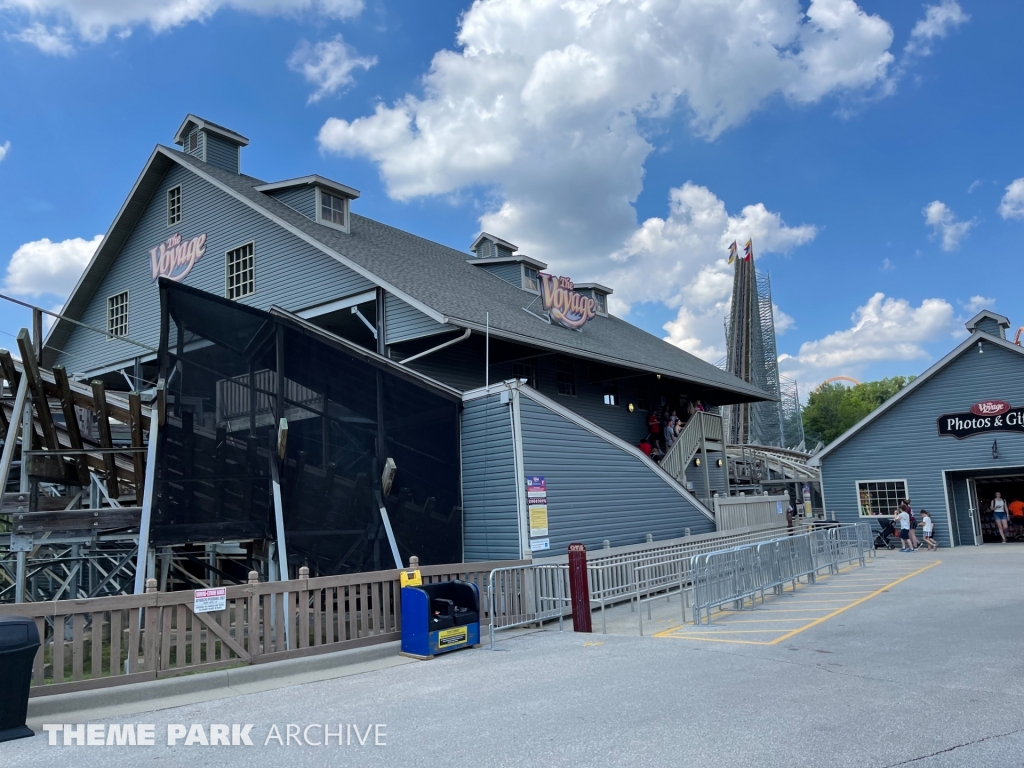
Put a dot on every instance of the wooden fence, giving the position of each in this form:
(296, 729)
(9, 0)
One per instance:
(108, 641)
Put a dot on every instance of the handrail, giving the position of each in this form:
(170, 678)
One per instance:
(678, 457)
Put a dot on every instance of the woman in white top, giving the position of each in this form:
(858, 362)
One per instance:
(1001, 513)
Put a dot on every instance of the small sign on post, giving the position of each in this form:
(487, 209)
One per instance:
(579, 588)
(210, 600)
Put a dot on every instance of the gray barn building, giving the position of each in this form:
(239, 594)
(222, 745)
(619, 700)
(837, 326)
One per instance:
(552, 384)
(948, 441)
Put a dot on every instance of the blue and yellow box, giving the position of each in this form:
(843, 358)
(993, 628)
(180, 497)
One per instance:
(438, 618)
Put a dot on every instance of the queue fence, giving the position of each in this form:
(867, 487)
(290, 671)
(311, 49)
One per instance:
(526, 594)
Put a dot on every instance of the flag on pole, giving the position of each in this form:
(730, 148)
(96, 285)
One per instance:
(748, 250)
(732, 252)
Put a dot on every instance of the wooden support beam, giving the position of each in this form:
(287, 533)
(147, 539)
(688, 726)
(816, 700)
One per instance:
(76, 519)
(67, 404)
(10, 372)
(99, 395)
(35, 388)
(138, 458)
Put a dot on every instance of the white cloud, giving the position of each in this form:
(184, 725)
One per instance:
(975, 304)
(4, 149)
(328, 65)
(974, 185)
(42, 267)
(783, 322)
(53, 41)
(944, 225)
(1012, 204)
(682, 261)
(887, 265)
(55, 21)
(938, 21)
(884, 329)
(540, 103)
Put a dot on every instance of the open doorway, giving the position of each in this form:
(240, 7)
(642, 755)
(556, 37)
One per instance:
(1011, 489)
(970, 493)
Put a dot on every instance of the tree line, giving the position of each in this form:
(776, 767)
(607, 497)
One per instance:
(834, 408)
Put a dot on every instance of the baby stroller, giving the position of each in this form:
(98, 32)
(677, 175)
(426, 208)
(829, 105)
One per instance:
(882, 536)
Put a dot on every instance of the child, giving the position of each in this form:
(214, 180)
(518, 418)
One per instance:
(929, 527)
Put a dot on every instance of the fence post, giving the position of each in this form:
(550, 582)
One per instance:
(579, 588)
(253, 613)
(151, 640)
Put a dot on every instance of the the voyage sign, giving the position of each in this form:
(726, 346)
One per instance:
(175, 258)
(563, 305)
(986, 416)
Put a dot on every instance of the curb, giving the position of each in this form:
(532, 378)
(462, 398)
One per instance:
(151, 693)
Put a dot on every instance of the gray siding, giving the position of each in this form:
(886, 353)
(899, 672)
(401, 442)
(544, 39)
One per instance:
(716, 475)
(509, 272)
(501, 250)
(200, 143)
(990, 326)
(597, 491)
(490, 512)
(289, 272)
(221, 153)
(302, 199)
(903, 443)
(403, 322)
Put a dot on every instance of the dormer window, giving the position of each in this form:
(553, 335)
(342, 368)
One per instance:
(602, 302)
(531, 281)
(332, 210)
(193, 141)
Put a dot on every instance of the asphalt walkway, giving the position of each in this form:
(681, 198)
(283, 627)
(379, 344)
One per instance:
(923, 669)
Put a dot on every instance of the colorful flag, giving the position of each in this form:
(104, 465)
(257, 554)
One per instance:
(732, 252)
(748, 250)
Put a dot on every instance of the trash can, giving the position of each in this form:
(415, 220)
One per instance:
(19, 642)
(438, 618)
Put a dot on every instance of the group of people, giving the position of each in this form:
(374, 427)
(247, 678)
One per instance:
(664, 427)
(906, 523)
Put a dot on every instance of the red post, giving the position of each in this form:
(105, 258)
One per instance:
(579, 588)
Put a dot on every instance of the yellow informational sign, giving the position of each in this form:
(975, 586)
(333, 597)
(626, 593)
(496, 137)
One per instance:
(453, 636)
(410, 578)
(538, 520)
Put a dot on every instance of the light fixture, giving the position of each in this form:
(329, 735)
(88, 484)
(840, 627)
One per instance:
(981, 349)
(719, 462)
(659, 375)
(697, 461)
(995, 449)
(630, 407)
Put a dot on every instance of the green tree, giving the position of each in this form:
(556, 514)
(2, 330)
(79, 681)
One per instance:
(834, 408)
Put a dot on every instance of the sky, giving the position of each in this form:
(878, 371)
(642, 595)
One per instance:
(872, 151)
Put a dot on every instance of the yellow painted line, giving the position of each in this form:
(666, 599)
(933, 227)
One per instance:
(739, 632)
(674, 632)
(758, 621)
(855, 603)
(781, 610)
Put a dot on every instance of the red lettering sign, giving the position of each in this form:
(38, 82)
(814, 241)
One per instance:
(990, 408)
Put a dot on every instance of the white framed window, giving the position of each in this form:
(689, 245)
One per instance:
(173, 206)
(117, 315)
(611, 394)
(525, 369)
(331, 209)
(240, 271)
(531, 281)
(602, 302)
(193, 141)
(566, 376)
(880, 498)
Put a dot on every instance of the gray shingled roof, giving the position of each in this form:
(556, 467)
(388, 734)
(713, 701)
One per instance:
(439, 278)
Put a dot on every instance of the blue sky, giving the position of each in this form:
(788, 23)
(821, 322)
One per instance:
(873, 165)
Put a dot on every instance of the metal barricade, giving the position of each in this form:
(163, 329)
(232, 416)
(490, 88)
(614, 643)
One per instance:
(729, 576)
(847, 545)
(659, 581)
(526, 594)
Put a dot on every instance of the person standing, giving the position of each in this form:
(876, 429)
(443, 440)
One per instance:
(654, 427)
(999, 511)
(929, 528)
(902, 520)
(914, 543)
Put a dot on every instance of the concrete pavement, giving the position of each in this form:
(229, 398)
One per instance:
(925, 673)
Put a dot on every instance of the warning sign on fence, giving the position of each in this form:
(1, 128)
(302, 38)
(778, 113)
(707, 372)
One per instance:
(209, 600)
